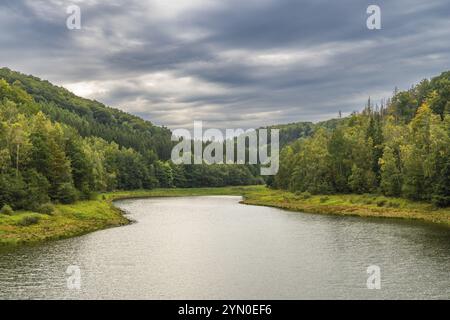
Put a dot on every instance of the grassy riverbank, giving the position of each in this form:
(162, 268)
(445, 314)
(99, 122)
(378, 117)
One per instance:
(86, 216)
(367, 205)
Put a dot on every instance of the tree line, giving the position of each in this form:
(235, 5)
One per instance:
(57, 147)
(50, 152)
(399, 149)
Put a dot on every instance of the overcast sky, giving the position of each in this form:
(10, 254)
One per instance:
(230, 63)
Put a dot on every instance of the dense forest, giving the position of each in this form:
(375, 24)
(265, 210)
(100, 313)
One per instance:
(294, 131)
(400, 148)
(57, 147)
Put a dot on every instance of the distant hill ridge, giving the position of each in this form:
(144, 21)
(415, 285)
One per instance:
(92, 118)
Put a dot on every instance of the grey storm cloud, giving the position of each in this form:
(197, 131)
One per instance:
(229, 63)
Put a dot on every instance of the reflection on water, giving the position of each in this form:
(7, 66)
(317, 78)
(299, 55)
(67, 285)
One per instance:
(215, 248)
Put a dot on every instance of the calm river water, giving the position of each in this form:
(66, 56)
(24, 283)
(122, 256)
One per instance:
(215, 248)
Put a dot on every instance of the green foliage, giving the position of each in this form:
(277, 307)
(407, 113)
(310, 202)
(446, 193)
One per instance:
(164, 174)
(357, 180)
(381, 203)
(303, 195)
(435, 92)
(55, 146)
(89, 118)
(46, 208)
(439, 99)
(441, 194)
(28, 221)
(13, 190)
(391, 177)
(349, 204)
(37, 189)
(292, 132)
(6, 209)
(404, 105)
(66, 193)
(401, 150)
(60, 147)
(310, 171)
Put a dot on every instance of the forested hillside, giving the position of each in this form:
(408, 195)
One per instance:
(92, 118)
(294, 131)
(401, 149)
(57, 147)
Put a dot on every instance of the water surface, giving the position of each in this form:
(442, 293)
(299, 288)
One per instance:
(215, 248)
